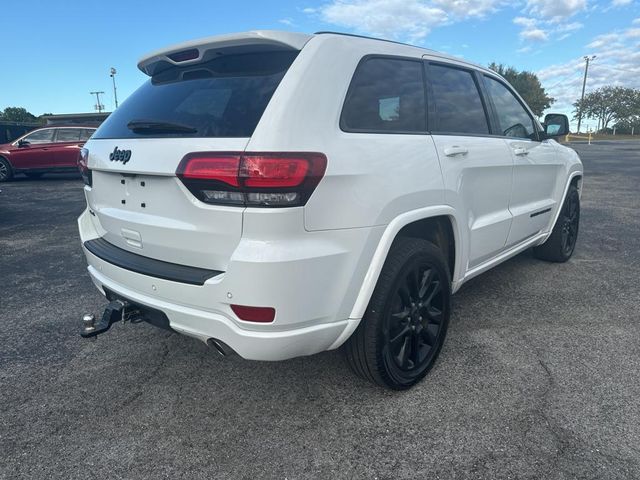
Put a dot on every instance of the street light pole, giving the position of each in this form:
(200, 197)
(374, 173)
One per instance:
(584, 84)
(99, 106)
(113, 77)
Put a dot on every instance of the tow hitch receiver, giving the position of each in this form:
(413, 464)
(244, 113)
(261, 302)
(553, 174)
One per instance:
(117, 310)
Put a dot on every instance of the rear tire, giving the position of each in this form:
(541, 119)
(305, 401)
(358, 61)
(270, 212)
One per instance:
(401, 334)
(561, 243)
(6, 172)
(34, 175)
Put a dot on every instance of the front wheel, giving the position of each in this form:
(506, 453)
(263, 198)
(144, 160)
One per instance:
(562, 242)
(6, 172)
(401, 334)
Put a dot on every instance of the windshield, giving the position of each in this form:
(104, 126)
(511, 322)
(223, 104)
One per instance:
(224, 97)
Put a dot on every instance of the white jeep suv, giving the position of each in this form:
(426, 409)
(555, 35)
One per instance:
(277, 194)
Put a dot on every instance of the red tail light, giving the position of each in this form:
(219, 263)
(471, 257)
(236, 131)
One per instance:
(254, 314)
(252, 179)
(222, 169)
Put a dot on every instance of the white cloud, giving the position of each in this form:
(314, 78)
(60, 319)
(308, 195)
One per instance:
(286, 21)
(569, 27)
(555, 10)
(401, 19)
(385, 18)
(620, 3)
(636, 21)
(534, 34)
(607, 39)
(540, 29)
(534, 29)
(468, 8)
(617, 62)
(525, 22)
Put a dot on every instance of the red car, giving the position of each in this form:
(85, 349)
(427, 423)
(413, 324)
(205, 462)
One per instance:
(49, 149)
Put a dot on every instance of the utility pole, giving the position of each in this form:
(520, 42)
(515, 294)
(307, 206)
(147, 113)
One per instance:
(584, 84)
(113, 77)
(99, 106)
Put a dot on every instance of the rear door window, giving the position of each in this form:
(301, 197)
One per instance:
(68, 135)
(386, 95)
(224, 97)
(458, 106)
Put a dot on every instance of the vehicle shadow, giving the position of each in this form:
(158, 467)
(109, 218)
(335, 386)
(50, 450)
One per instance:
(47, 177)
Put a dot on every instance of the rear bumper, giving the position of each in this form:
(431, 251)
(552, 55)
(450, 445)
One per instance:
(251, 345)
(311, 281)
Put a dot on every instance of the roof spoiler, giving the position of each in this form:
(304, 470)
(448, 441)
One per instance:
(202, 50)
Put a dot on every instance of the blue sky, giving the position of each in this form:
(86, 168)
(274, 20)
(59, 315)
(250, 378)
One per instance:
(59, 51)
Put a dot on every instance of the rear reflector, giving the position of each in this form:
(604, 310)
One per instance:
(254, 314)
(252, 179)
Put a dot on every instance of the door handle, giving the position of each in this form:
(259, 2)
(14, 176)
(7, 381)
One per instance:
(455, 150)
(520, 151)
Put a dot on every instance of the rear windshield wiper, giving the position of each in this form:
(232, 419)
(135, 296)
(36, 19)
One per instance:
(151, 126)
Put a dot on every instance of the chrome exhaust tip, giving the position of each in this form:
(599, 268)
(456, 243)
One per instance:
(219, 346)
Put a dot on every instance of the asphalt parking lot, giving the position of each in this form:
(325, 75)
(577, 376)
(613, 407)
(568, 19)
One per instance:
(539, 377)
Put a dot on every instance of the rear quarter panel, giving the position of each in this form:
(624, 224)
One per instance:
(370, 178)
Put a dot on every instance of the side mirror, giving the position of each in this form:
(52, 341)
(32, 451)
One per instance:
(556, 124)
(23, 143)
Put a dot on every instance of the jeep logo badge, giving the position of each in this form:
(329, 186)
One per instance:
(120, 155)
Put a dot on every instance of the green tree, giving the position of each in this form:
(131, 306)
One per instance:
(608, 104)
(42, 120)
(527, 85)
(17, 114)
(629, 119)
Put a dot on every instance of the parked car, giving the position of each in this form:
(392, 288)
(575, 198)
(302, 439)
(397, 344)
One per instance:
(12, 130)
(45, 150)
(278, 194)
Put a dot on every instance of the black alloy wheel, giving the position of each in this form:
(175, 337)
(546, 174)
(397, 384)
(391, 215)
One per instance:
(570, 221)
(414, 322)
(561, 243)
(403, 329)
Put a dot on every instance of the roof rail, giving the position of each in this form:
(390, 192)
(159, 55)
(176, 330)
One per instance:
(328, 32)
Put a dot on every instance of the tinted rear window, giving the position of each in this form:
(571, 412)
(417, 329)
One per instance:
(68, 135)
(224, 97)
(459, 108)
(386, 95)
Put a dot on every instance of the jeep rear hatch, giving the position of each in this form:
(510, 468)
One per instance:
(204, 106)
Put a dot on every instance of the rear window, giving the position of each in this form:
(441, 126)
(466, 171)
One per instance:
(224, 97)
(386, 95)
